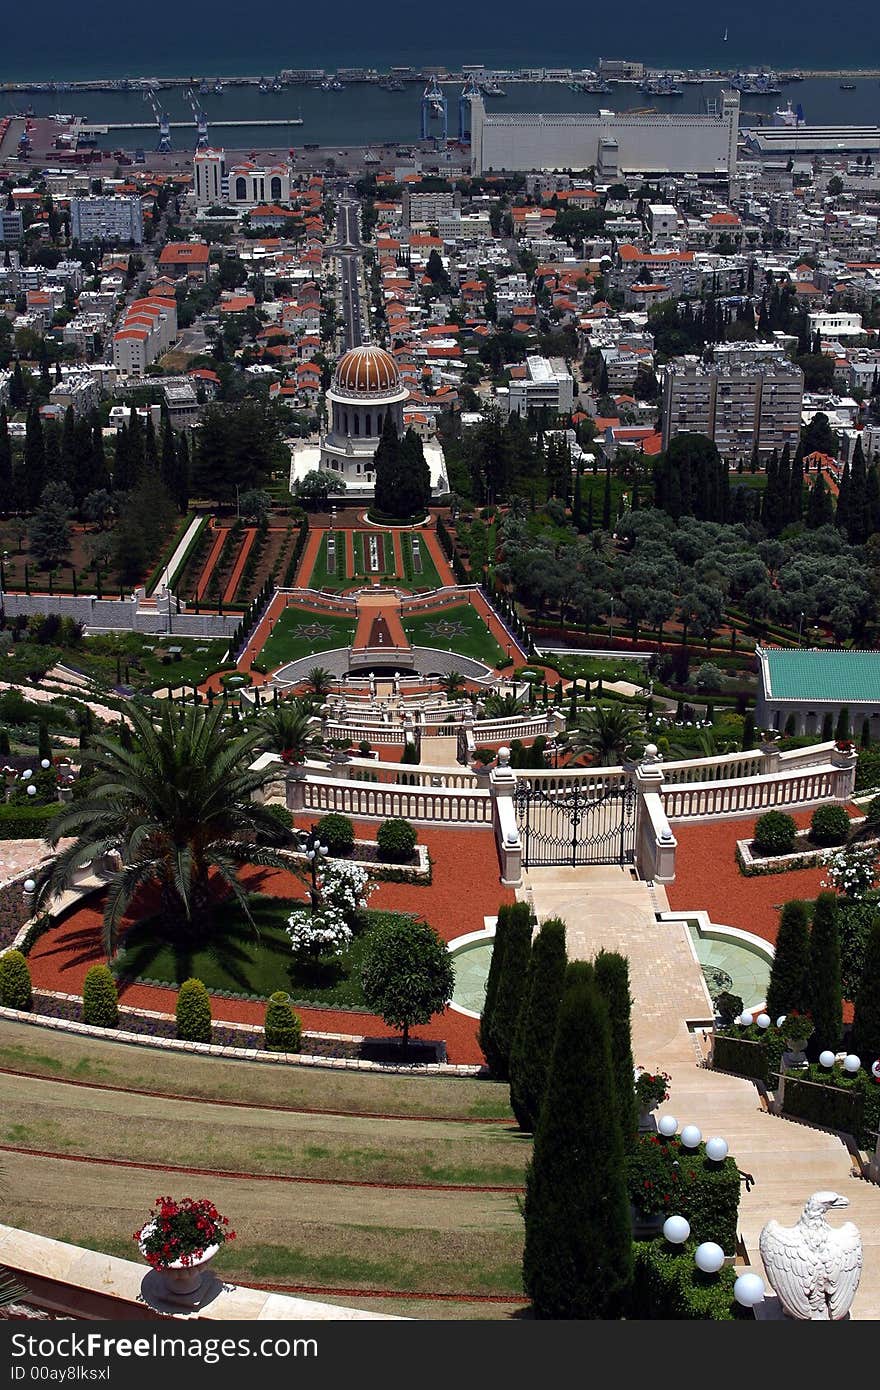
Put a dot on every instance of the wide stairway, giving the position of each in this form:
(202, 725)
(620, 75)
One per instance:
(606, 906)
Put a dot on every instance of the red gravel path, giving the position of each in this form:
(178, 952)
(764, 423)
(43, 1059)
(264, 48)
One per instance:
(250, 536)
(464, 890)
(707, 877)
(309, 558)
(443, 567)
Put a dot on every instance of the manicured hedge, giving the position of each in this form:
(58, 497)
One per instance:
(851, 1104)
(749, 1052)
(26, 822)
(336, 832)
(193, 1012)
(667, 1284)
(282, 1027)
(15, 982)
(396, 839)
(100, 1001)
(685, 1182)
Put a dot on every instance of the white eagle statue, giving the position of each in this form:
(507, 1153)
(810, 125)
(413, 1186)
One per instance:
(813, 1267)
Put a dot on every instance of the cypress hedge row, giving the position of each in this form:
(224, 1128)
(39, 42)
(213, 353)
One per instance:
(505, 986)
(612, 979)
(536, 1026)
(789, 986)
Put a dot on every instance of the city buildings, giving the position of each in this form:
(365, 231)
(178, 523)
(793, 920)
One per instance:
(542, 383)
(740, 405)
(107, 219)
(148, 329)
(243, 184)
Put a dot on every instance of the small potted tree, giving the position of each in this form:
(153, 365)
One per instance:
(797, 1029)
(179, 1240)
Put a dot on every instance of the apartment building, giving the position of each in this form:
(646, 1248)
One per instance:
(426, 209)
(738, 405)
(11, 227)
(545, 382)
(148, 330)
(107, 219)
(244, 184)
(81, 390)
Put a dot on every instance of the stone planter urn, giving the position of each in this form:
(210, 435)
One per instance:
(184, 1284)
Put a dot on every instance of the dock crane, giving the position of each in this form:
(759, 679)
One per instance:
(162, 121)
(201, 121)
(434, 105)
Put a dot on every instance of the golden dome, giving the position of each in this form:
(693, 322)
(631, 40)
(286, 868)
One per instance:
(367, 370)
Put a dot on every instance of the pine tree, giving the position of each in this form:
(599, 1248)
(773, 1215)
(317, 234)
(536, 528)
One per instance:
(612, 978)
(826, 1003)
(789, 987)
(866, 1018)
(536, 1026)
(577, 1261)
(509, 992)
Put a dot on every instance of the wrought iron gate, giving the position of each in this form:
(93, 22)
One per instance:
(575, 825)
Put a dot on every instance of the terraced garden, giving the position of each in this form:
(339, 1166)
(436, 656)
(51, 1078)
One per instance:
(302, 632)
(459, 629)
(374, 554)
(371, 1190)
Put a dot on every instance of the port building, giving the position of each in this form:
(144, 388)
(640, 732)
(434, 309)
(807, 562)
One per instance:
(616, 143)
(769, 142)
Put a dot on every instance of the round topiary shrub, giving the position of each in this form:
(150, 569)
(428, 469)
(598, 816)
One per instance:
(100, 1002)
(282, 1029)
(15, 982)
(337, 833)
(193, 1012)
(829, 826)
(396, 839)
(774, 833)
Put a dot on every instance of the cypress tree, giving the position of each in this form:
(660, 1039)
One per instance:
(536, 1026)
(796, 487)
(6, 481)
(827, 730)
(577, 1261)
(866, 1018)
(510, 990)
(872, 500)
(789, 986)
(498, 948)
(820, 506)
(841, 516)
(612, 978)
(748, 738)
(826, 1002)
(857, 502)
(181, 489)
(842, 728)
(34, 457)
(606, 500)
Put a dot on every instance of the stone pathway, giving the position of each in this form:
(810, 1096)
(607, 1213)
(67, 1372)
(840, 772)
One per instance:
(607, 907)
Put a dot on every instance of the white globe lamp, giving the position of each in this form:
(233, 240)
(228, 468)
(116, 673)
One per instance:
(851, 1064)
(676, 1230)
(763, 1020)
(32, 791)
(826, 1058)
(667, 1125)
(691, 1137)
(875, 1069)
(26, 775)
(44, 763)
(709, 1257)
(29, 885)
(717, 1149)
(749, 1290)
(780, 1020)
(746, 1019)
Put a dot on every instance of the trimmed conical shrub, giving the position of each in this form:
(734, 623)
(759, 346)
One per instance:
(536, 1026)
(193, 1012)
(494, 975)
(100, 999)
(866, 1019)
(789, 976)
(282, 1028)
(15, 982)
(826, 1000)
(612, 977)
(577, 1261)
(510, 990)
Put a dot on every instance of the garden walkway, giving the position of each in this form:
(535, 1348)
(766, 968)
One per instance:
(788, 1160)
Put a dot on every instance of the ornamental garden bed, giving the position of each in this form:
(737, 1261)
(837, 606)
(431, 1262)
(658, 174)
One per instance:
(752, 862)
(241, 961)
(366, 855)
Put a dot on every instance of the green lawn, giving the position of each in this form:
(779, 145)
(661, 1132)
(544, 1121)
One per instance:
(459, 629)
(198, 658)
(245, 961)
(321, 577)
(386, 568)
(425, 578)
(299, 632)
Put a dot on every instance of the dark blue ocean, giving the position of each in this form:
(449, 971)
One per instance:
(104, 38)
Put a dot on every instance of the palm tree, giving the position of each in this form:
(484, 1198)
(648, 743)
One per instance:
(605, 731)
(320, 682)
(289, 729)
(503, 706)
(176, 808)
(452, 684)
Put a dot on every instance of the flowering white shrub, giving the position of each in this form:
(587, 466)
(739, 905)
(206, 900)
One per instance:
(852, 872)
(318, 933)
(344, 886)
